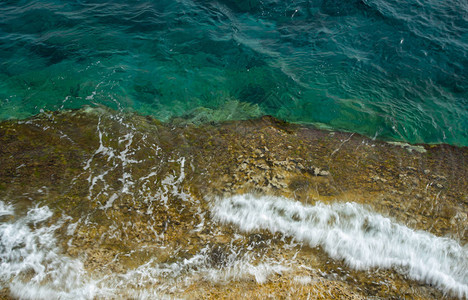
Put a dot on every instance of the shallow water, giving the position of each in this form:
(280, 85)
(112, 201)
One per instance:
(394, 70)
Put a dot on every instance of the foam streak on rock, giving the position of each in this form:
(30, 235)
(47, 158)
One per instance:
(33, 266)
(351, 232)
(30, 257)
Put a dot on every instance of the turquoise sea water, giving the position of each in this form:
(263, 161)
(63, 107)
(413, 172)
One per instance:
(392, 69)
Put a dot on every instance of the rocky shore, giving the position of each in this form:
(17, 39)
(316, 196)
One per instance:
(127, 191)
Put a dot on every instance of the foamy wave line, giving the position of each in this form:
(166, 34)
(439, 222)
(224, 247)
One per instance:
(361, 238)
(236, 266)
(31, 263)
(33, 266)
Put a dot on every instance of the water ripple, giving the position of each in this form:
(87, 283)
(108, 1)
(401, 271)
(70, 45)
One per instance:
(371, 66)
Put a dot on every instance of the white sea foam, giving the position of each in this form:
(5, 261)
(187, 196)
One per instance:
(117, 156)
(30, 257)
(168, 277)
(6, 209)
(33, 266)
(349, 231)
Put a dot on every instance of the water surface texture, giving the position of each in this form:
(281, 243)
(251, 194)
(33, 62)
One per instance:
(388, 69)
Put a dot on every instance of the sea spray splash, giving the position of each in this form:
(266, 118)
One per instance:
(350, 232)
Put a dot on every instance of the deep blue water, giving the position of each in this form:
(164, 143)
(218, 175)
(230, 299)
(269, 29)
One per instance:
(392, 69)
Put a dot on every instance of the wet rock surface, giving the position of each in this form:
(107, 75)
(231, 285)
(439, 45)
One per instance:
(130, 191)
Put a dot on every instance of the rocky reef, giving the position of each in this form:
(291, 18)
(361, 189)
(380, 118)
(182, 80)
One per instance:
(132, 202)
